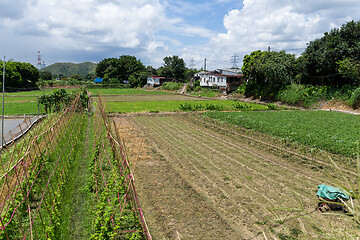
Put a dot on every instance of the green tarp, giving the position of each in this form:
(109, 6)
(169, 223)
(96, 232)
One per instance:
(331, 192)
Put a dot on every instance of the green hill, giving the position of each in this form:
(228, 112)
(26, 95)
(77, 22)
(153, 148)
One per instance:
(69, 69)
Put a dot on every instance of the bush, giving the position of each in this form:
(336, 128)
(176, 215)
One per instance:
(241, 89)
(172, 86)
(185, 107)
(354, 100)
(199, 107)
(213, 107)
(306, 95)
(272, 106)
(241, 105)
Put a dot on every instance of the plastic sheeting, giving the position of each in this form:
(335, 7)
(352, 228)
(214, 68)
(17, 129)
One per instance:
(331, 192)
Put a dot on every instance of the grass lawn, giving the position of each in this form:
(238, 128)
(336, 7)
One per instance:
(332, 131)
(169, 106)
(124, 91)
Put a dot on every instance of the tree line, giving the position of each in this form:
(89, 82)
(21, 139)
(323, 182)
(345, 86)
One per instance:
(129, 68)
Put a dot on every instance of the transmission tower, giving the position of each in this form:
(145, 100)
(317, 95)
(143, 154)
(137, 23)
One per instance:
(234, 60)
(39, 64)
(192, 63)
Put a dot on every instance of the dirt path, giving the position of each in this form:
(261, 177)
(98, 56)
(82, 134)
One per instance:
(203, 182)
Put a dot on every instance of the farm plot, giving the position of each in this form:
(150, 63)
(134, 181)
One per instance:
(203, 182)
(150, 97)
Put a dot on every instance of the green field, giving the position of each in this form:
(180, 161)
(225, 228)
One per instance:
(19, 99)
(20, 103)
(332, 131)
(21, 108)
(34, 93)
(124, 91)
(171, 106)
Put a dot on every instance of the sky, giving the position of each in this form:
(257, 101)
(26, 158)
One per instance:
(219, 30)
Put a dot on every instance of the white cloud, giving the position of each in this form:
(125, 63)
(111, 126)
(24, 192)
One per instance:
(152, 29)
(90, 23)
(281, 24)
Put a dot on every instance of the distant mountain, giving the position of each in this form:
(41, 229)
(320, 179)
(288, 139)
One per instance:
(69, 69)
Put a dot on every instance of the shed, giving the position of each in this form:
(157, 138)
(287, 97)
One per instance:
(157, 81)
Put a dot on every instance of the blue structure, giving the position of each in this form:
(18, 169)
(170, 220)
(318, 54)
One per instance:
(98, 80)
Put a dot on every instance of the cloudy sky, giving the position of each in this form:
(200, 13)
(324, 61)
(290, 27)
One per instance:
(91, 30)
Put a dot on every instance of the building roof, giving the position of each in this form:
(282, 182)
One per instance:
(226, 75)
(220, 75)
(156, 77)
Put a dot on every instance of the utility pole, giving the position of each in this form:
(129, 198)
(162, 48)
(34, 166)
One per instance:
(2, 120)
(268, 48)
(205, 64)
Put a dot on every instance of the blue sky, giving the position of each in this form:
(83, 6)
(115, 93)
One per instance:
(91, 30)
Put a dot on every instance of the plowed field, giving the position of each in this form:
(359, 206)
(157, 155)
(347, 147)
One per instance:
(196, 180)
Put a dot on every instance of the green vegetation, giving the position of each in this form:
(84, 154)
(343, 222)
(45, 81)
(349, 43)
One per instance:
(60, 98)
(16, 108)
(174, 67)
(308, 95)
(69, 69)
(354, 100)
(328, 66)
(172, 86)
(124, 91)
(204, 92)
(124, 68)
(332, 131)
(268, 73)
(19, 75)
(34, 93)
(171, 106)
(20, 103)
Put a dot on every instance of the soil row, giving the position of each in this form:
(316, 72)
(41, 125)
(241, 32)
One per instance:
(212, 183)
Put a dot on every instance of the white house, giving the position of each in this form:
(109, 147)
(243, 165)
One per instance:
(224, 80)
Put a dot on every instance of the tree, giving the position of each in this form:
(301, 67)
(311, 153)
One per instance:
(322, 55)
(140, 79)
(174, 67)
(165, 72)
(268, 72)
(20, 75)
(45, 75)
(118, 70)
(129, 65)
(77, 77)
(151, 70)
(350, 68)
(106, 67)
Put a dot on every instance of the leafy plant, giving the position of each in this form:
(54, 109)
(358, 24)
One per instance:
(241, 106)
(354, 100)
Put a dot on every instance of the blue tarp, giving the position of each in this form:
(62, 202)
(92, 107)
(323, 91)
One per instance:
(98, 80)
(331, 192)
